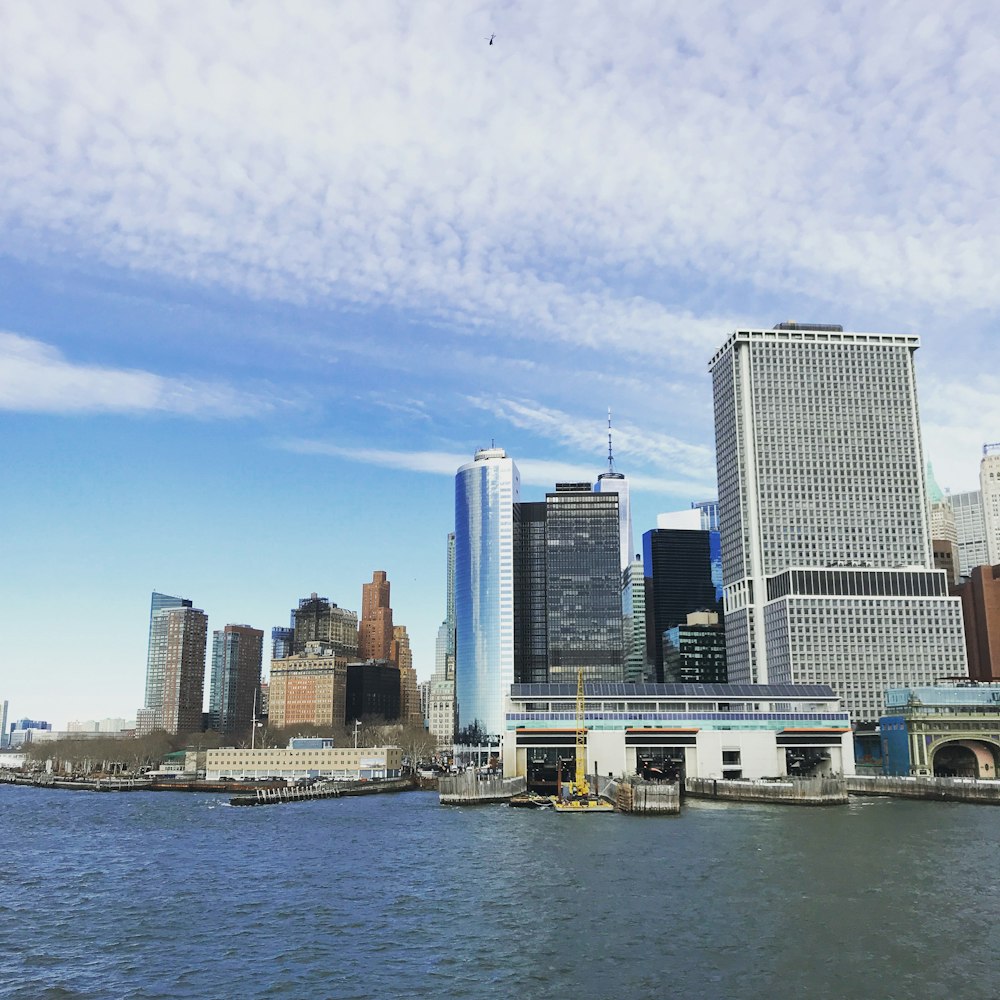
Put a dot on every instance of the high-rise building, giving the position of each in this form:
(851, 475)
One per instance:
(700, 516)
(308, 688)
(567, 587)
(373, 690)
(825, 548)
(410, 710)
(944, 535)
(234, 692)
(989, 488)
(441, 693)
(175, 666)
(156, 651)
(317, 619)
(637, 663)
(3, 723)
(613, 481)
(375, 630)
(583, 601)
(970, 530)
(180, 636)
(678, 567)
(486, 490)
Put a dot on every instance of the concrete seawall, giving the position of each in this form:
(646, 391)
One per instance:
(468, 789)
(788, 791)
(941, 789)
(648, 798)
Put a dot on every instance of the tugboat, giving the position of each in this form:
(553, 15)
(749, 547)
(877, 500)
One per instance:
(577, 797)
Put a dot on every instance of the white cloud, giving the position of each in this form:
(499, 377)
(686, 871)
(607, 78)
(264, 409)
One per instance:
(37, 378)
(542, 473)
(371, 154)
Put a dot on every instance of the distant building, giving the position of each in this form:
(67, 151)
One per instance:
(175, 673)
(637, 662)
(410, 710)
(486, 490)
(980, 596)
(375, 631)
(944, 534)
(316, 619)
(24, 731)
(3, 724)
(678, 567)
(237, 655)
(265, 700)
(303, 759)
(282, 641)
(308, 688)
(970, 530)
(948, 730)
(156, 656)
(373, 690)
(695, 652)
(989, 487)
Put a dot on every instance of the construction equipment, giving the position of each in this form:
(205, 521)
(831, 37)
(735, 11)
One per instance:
(580, 799)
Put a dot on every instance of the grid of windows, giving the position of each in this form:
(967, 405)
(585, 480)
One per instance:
(826, 554)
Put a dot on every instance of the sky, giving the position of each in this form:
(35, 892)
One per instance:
(269, 273)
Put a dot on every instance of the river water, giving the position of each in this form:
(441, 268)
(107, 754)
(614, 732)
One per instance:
(167, 895)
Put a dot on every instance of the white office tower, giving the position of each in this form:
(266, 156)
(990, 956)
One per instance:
(825, 550)
(615, 482)
(989, 487)
(967, 509)
(486, 490)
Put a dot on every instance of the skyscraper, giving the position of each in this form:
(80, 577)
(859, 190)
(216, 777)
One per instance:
(825, 548)
(177, 655)
(237, 652)
(613, 481)
(678, 568)
(637, 664)
(989, 488)
(485, 492)
(156, 651)
(175, 665)
(375, 630)
(567, 587)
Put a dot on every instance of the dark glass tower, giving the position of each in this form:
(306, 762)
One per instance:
(678, 565)
(567, 587)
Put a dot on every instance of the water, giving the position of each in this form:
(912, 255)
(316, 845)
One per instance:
(147, 895)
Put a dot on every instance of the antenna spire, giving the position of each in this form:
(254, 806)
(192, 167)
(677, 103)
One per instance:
(611, 458)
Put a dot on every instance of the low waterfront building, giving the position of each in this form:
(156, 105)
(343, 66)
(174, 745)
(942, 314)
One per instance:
(945, 731)
(683, 730)
(309, 758)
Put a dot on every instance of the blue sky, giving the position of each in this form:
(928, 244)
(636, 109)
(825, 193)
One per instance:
(269, 273)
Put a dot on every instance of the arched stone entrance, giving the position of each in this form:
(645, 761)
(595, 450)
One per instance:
(965, 759)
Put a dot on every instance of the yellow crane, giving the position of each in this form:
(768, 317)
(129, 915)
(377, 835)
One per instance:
(580, 798)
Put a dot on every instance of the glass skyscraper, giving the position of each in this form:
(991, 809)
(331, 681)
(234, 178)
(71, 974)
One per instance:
(825, 546)
(237, 653)
(486, 490)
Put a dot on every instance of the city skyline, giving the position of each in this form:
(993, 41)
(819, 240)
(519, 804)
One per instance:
(262, 299)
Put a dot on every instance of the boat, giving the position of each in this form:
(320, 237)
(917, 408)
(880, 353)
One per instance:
(531, 800)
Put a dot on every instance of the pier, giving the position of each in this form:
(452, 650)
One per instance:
(648, 798)
(469, 789)
(927, 788)
(784, 791)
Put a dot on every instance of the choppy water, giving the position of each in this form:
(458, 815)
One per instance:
(147, 895)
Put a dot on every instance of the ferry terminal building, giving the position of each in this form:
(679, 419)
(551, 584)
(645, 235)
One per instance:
(678, 730)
